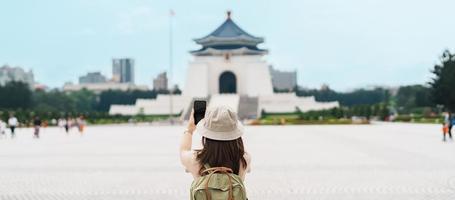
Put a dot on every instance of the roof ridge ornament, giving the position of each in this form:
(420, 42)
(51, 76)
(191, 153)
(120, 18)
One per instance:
(228, 14)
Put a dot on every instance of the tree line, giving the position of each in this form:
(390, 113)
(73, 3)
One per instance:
(428, 100)
(435, 96)
(356, 97)
(18, 97)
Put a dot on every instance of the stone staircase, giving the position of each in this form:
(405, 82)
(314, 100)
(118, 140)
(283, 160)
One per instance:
(229, 100)
(248, 107)
(245, 106)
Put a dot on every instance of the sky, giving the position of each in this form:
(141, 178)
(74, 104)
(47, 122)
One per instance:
(346, 44)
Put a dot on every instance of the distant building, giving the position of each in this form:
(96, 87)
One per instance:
(123, 70)
(8, 74)
(282, 80)
(229, 69)
(160, 82)
(122, 79)
(92, 77)
(100, 87)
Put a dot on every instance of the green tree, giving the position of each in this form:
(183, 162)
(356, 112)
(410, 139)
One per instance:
(15, 95)
(384, 112)
(443, 83)
(52, 101)
(356, 97)
(413, 96)
(84, 100)
(107, 98)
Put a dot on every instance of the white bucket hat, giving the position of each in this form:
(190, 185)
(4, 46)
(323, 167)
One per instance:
(220, 123)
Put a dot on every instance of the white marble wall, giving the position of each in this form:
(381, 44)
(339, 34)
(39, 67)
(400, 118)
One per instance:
(253, 79)
(252, 74)
(158, 106)
(289, 102)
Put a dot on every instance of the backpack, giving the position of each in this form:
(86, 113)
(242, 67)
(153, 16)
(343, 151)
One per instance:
(218, 183)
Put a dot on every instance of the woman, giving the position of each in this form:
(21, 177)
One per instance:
(222, 144)
(37, 125)
(12, 123)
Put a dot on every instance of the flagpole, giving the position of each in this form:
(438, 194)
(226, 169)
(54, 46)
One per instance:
(171, 108)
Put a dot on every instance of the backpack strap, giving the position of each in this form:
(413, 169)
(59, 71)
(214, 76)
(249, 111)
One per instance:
(224, 170)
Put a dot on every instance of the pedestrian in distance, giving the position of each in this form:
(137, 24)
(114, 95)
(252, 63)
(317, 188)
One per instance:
(447, 121)
(67, 124)
(37, 125)
(445, 131)
(218, 168)
(60, 123)
(12, 123)
(451, 123)
(2, 129)
(80, 122)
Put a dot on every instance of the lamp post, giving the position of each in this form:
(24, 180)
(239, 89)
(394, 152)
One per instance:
(171, 107)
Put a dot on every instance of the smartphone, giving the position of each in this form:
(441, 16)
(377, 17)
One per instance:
(199, 110)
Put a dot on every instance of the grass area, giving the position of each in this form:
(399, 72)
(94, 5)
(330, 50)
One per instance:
(418, 119)
(320, 118)
(272, 119)
(296, 119)
(283, 121)
(127, 119)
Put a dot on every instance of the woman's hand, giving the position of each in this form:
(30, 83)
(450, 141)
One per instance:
(185, 144)
(191, 126)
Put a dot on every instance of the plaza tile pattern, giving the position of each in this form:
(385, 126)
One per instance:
(379, 161)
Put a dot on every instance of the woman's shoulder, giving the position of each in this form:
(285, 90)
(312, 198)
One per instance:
(190, 162)
(188, 158)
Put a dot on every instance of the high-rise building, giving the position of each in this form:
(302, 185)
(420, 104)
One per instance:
(92, 77)
(8, 74)
(160, 82)
(283, 80)
(123, 70)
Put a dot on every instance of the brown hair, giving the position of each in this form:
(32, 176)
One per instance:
(218, 153)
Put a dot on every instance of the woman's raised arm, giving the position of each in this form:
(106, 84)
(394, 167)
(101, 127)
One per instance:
(185, 144)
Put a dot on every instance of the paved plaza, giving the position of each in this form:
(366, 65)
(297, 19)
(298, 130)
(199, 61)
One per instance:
(378, 161)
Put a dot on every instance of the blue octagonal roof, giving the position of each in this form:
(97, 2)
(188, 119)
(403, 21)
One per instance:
(229, 33)
(229, 36)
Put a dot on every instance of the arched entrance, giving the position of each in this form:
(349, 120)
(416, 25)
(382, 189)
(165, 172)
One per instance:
(227, 83)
